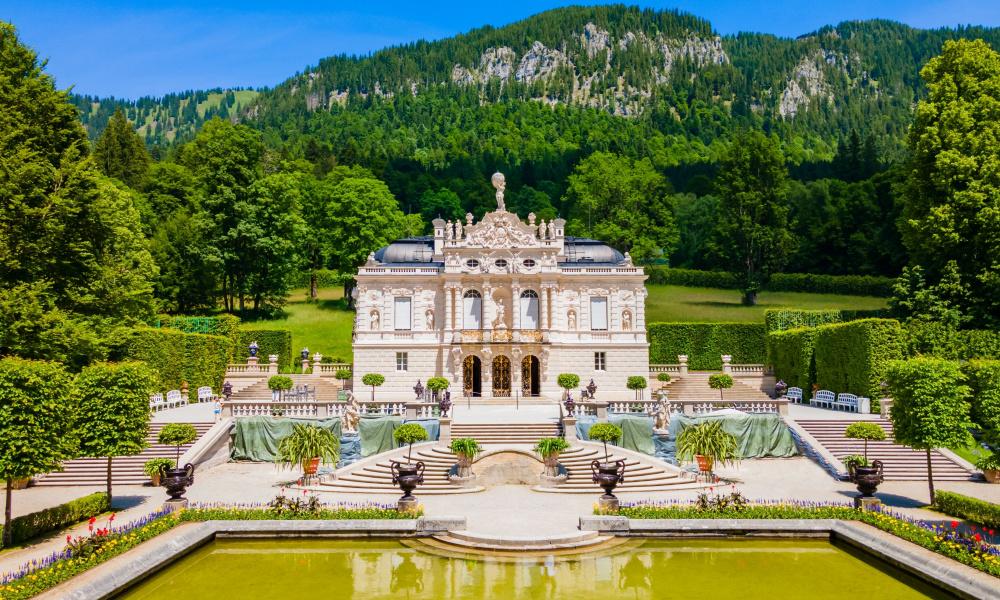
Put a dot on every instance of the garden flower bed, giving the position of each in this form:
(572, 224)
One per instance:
(967, 548)
(104, 543)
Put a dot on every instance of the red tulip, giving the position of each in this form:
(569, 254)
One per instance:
(92, 520)
(977, 537)
(69, 539)
(954, 524)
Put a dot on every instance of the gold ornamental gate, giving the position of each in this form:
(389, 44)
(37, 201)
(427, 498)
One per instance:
(501, 377)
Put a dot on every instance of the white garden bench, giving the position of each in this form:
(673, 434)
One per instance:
(205, 394)
(846, 402)
(794, 394)
(174, 399)
(824, 398)
(156, 402)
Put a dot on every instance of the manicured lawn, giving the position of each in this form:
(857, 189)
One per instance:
(676, 303)
(325, 326)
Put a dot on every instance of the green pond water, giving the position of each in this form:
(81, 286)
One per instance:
(374, 570)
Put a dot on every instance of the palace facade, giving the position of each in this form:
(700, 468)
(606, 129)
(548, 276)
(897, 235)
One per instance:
(500, 307)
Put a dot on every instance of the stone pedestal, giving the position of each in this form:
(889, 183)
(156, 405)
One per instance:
(175, 504)
(867, 502)
(551, 481)
(252, 360)
(305, 366)
(607, 504)
(444, 436)
(569, 429)
(464, 482)
(409, 505)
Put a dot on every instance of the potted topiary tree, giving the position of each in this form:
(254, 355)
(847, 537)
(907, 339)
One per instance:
(177, 479)
(636, 383)
(279, 384)
(720, 381)
(154, 467)
(374, 380)
(307, 446)
(408, 475)
(990, 466)
(465, 450)
(437, 385)
(664, 378)
(708, 444)
(607, 474)
(549, 449)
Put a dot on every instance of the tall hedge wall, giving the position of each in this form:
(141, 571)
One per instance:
(790, 352)
(271, 341)
(226, 325)
(935, 339)
(693, 278)
(851, 357)
(705, 343)
(983, 376)
(176, 356)
(779, 319)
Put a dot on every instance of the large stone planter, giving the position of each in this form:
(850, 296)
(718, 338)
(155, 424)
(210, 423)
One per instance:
(407, 476)
(177, 480)
(461, 472)
(867, 478)
(992, 475)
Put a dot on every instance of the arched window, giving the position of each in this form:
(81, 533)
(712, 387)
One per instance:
(472, 310)
(529, 309)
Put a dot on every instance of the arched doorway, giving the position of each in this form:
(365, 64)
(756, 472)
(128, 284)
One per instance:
(472, 376)
(530, 378)
(501, 377)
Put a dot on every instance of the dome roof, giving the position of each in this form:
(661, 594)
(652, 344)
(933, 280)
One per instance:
(586, 250)
(407, 250)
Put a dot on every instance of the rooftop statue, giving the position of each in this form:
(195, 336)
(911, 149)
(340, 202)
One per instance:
(500, 183)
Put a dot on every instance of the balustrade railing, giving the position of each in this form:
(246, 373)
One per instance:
(325, 410)
(746, 369)
(672, 369)
(684, 407)
(251, 369)
(332, 368)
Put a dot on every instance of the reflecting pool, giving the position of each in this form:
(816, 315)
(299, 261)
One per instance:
(639, 569)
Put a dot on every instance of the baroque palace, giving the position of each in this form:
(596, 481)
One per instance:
(500, 307)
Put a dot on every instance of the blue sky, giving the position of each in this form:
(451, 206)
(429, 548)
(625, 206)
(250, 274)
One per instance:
(131, 49)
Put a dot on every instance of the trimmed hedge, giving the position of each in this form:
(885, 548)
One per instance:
(851, 357)
(693, 278)
(32, 525)
(225, 325)
(270, 341)
(936, 339)
(791, 354)
(705, 343)
(176, 356)
(849, 285)
(983, 376)
(968, 508)
(779, 319)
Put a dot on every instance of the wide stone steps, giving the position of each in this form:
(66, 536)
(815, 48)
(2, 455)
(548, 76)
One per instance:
(491, 434)
(900, 463)
(694, 388)
(326, 391)
(125, 470)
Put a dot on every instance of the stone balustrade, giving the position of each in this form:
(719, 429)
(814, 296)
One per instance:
(746, 370)
(326, 410)
(330, 369)
(684, 407)
(251, 369)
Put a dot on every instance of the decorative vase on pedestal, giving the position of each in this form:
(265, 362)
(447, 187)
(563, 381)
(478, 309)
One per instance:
(176, 481)
(407, 476)
(608, 475)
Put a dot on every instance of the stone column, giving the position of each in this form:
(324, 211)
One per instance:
(569, 429)
(543, 307)
(448, 297)
(317, 360)
(726, 363)
(272, 366)
(602, 410)
(515, 306)
(445, 436)
(682, 359)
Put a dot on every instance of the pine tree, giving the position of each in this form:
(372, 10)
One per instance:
(120, 152)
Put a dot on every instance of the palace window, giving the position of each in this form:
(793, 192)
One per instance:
(500, 263)
(529, 262)
(472, 263)
(472, 310)
(529, 309)
(402, 361)
(403, 314)
(598, 313)
(600, 361)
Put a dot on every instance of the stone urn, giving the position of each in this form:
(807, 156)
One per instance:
(407, 476)
(464, 465)
(608, 475)
(991, 475)
(176, 480)
(867, 478)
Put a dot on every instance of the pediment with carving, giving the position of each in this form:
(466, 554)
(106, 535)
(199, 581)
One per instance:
(501, 229)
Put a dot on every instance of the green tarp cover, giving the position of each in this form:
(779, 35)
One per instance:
(256, 438)
(759, 435)
(376, 434)
(637, 432)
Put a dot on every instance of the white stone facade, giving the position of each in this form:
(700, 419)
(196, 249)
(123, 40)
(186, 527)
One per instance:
(500, 307)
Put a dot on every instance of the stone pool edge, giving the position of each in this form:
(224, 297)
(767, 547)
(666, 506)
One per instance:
(951, 575)
(121, 572)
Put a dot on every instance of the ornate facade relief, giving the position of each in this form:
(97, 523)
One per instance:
(500, 230)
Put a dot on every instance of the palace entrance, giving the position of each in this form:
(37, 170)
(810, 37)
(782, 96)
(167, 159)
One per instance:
(530, 378)
(501, 377)
(472, 376)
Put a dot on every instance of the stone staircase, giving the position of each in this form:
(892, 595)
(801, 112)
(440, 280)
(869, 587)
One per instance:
(376, 478)
(641, 475)
(326, 390)
(900, 463)
(493, 434)
(694, 387)
(125, 470)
